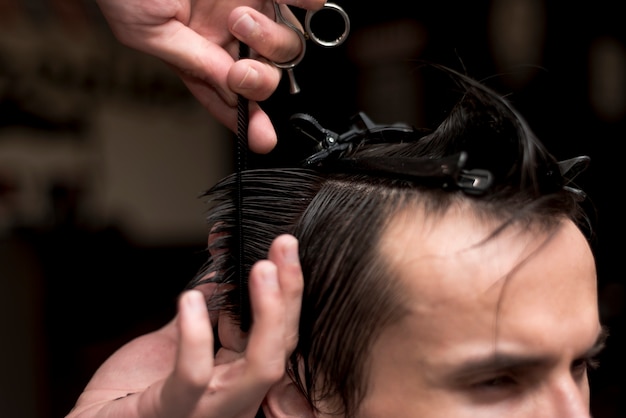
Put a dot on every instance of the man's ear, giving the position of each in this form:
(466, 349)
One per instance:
(284, 400)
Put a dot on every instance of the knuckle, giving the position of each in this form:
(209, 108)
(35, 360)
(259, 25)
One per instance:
(271, 372)
(194, 377)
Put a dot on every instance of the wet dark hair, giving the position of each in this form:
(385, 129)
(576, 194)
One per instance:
(339, 206)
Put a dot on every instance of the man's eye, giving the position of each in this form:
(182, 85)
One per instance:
(495, 389)
(581, 366)
(497, 382)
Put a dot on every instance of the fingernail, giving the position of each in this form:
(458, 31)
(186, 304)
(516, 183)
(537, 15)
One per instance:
(250, 78)
(270, 277)
(195, 300)
(291, 252)
(245, 26)
(300, 4)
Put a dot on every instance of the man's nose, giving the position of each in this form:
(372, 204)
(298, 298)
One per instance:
(565, 398)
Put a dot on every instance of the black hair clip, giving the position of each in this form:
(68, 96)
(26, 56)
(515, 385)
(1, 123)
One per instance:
(446, 172)
(332, 145)
(570, 169)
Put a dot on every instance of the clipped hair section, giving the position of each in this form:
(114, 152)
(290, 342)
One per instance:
(497, 138)
(482, 146)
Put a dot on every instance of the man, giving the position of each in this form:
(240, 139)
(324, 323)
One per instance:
(446, 274)
(422, 296)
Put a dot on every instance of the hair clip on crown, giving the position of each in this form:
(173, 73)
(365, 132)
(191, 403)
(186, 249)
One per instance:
(446, 172)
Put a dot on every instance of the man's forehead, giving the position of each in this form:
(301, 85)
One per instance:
(516, 286)
(455, 254)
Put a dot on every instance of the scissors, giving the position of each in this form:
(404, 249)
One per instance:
(309, 34)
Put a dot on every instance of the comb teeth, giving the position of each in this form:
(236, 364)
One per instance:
(241, 164)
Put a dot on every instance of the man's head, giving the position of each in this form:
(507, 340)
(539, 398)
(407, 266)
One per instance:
(423, 297)
(501, 328)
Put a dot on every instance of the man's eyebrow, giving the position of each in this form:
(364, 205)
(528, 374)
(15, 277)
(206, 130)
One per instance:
(598, 346)
(495, 363)
(503, 362)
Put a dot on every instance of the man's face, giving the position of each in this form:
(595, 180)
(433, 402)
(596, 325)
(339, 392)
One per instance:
(499, 329)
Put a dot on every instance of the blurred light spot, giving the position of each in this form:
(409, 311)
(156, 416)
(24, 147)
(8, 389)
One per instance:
(607, 79)
(517, 30)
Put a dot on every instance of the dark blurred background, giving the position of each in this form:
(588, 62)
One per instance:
(104, 153)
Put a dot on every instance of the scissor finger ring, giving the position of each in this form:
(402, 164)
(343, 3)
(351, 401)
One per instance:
(309, 34)
(281, 19)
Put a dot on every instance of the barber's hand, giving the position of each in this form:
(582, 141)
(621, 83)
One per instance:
(173, 372)
(234, 384)
(199, 39)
